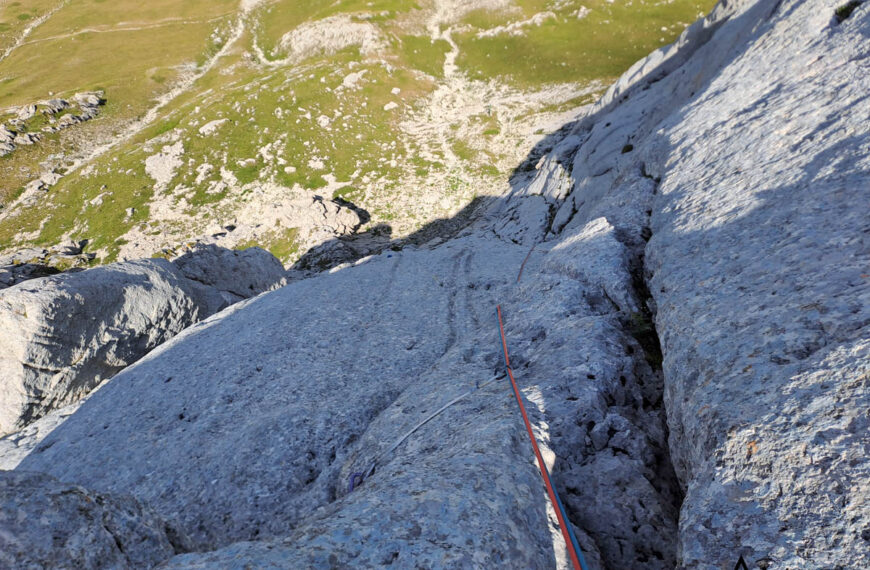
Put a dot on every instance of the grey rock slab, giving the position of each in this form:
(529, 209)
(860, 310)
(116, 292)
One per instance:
(14, 447)
(461, 491)
(48, 524)
(759, 260)
(315, 382)
(240, 442)
(524, 221)
(594, 255)
(243, 273)
(68, 332)
(751, 157)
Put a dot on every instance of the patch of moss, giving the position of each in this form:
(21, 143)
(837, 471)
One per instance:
(282, 243)
(421, 52)
(464, 151)
(247, 174)
(643, 330)
(844, 11)
(348, 193)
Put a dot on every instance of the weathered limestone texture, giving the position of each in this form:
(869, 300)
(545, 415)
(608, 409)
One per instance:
(66, 333)
(758, 152)
(48, 524)
(759, 261)
(313, 382)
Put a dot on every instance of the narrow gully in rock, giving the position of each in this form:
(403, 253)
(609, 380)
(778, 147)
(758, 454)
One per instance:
(634, 396)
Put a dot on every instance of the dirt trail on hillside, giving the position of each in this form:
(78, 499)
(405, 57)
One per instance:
(181, 87)
(126, 27)
(29, 29)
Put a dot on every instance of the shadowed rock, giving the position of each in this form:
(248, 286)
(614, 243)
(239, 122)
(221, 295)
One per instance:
(48, 524)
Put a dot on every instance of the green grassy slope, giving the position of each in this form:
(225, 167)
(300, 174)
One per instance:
(595, 39)
(367, 121)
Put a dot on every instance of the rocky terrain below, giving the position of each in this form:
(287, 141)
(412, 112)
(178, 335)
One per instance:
(26, 125)
(682, 272)
(74, 330)
(268, 112)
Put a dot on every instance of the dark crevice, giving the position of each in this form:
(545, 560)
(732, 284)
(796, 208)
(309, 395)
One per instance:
(118, 544)
(641, 325)
(648, 378)
(179, 542)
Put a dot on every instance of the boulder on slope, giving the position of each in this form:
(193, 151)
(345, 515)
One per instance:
(70, 331)
(73, 330)
(240, 273)
(48, 524)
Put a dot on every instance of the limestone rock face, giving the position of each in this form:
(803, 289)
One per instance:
(14, 447)
(48, 524)
(69, 332)
(757, 154)
(315, 382)
(240, 273)
(714, 191)
(758, 264)
(73, 330)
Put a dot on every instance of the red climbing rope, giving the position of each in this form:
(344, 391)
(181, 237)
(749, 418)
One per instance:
(567, 533)
(523, 266)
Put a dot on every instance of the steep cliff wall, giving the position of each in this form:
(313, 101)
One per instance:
(717, 190)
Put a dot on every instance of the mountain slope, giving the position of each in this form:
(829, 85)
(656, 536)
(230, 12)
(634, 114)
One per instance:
(217, 113)
(712, 189)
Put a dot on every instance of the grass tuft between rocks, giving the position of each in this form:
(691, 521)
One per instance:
(846, 10)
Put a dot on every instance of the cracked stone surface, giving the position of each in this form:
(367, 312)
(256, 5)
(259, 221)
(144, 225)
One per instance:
(259, 443)
(766, 331)
(756, 150)
(48, 524)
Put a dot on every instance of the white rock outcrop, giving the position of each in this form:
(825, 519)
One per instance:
(162, 166)
(84, 107)
(237, 274)
(330, 35)
(73, 330)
